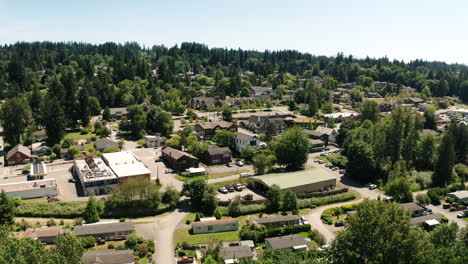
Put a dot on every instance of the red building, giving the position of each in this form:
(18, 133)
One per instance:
(178, 160)
(18, 155)
(218, 155)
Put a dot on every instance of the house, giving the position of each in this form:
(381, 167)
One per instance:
(260, 123)
(104, 143)
(233, 254)
(218, 155)
(386, 106)
(203, 102)
(118, 112)
(262, 92)
(108, 256)
(18, 155)
(154, 141)
(46, 235)
(427, 221)
(105, 230)
(241, 100)
(178, 160)
(215, 226)
(278, 220)
(340, 116)
(414, 100)
(40, 148)
(243, 140)
(328, 135)
(31, 189)
(290, 242)
(424, 107)
(207, 130)
(316, 145)
(459, 196)
(38, 171)
(413, 209)
(305, 122)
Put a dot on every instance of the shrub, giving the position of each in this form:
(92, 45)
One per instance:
(423, 199)
(259, 235)
(110, 246)
(151, 246)
(51, 222)
(59, 209)
(187, 222)
(132, 241)
(84, 131)
(122, 219)
(306, 203)
(436, 194)
(87, 242)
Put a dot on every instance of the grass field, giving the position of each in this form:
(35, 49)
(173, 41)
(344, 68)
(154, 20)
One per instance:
(75, 136)
(184, 235)
(210, 176)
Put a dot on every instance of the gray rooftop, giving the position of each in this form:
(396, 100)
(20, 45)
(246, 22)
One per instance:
(285, 242)
(236, 252)
(293, 179)
(276, 218)
(108, 256)
(422, 219)
(102, 228)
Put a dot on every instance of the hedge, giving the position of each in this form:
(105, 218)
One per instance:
(53, 209)
(343, 197)
(259, 235)
(322, 194)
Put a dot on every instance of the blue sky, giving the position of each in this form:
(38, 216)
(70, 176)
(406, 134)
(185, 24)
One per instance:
(432, 30)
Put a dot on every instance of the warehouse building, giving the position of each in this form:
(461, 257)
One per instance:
(126, 165)
(31, 189)
(304, 181)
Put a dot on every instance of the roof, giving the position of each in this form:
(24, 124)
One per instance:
(223, 221)
(108, 256)
(244, 137)
(426, 132)
(306, 120)
(294, 179)
(43, 232)
(283, 242)
(212, 125)
(196, 170)
(216, 150)
(19, 148)
(125, 164)
(102, 228)
(432, 222)
(276, 218)
(28, 185)
(236, 252)
(104, 143)
(316, 141)
(153, 137)
(175, 153)
(422, 219)
(249, 243)
(324, 130)
(92, 169)
(460, 194)
(412, 207)
(118, 110)
(38, 169)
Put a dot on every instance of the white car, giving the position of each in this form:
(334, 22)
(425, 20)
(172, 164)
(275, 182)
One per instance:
(342, 171)
(323, 248)
(239, 163)
(328, 165)
(244, 175)
(169, 171)
(372, 186)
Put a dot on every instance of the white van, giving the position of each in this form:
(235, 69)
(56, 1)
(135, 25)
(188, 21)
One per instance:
(244, 174)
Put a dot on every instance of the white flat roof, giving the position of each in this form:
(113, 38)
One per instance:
(28, 185)
(432, 222)
(196, 170)
(125, 164)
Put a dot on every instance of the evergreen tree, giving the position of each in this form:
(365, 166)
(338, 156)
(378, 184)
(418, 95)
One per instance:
(290, 202)
(274, 196)
(15, 118)
(91, 213)
(106, 114)
(53, 119)
(445, 162)
(8, 209)
(84, 109)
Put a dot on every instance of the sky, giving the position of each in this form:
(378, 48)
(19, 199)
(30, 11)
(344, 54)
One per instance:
(404, 30)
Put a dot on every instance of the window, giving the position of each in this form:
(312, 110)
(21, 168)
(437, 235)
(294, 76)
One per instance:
(210, 228)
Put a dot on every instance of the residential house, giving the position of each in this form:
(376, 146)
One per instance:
(305, 122)
(18, 155)
(260, 123)
(316, 145)
(178, 160)
(235, 253)
(108, 256)
(105, 230)
(39, 148)
(424, 107)
(118, 112)
(215, 226)
(413, 209)
(243, 140)
(261, 92)
(414, 100)
(459, 196)
(208, 129)
(241, 100)
(338, 117)
(386, 106)
(154, 141)
(46, 235)
(278, 220)
(328, 135)
(427, 221)
(218, 155)
(104, 143)
(203, 102)
(290, 242)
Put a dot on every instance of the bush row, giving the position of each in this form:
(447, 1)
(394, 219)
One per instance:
(336, 211)
(343, 197)
(54, 209)
(322, 194)
(257, 236)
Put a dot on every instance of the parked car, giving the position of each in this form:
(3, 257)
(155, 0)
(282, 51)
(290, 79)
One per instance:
(339, 223)
(462, 214)
(25, 172)
(72, 180)
(323, 248)
(244, 175)
(230, 188)
(427, 210)
(321, 161)
(238, 187)
(223, 190)
(372, 186)
(304, 220)
(342, 171)
(248, 197)
(334, 168)
(328, 165)
(169, 171)
(446, 206)
(229, 164)
(313, 206)
(323, 154)
(239, 163)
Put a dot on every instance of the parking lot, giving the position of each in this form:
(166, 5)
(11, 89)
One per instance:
(256, 196)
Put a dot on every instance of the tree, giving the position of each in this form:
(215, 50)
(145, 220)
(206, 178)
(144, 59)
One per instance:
(95, 106)
(84, 110)
(106, 115)
(224, 138)
(159, 122)
(234, 207)
(91, 213)
(202, 195)
(429, 119)
(370, 111)
(227, 114)
(8, 209)
(443, 170)
(444, 235)
(423, 199)
(379, 232)
(15, 117)
(274, 196)
(400, 190)
(137, 120)
(171, 197)
(247, 153)
(292, 148)
(262, 162)
(271, 131)
(111, 149)
(53, 119)
(290, 202)
(68, 246)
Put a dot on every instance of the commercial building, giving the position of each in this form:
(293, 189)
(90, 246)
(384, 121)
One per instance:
(108, 256)
(94, 175)
(305, 181)
(291, 242)
(215, 226)
(207, 130)
(31, 189)
(38, 171)
(126, 165)
(459, 196)
(218, 155)
(105, 230)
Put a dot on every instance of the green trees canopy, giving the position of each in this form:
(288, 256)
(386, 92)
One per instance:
(292, 148)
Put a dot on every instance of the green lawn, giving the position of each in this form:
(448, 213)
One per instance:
(75, 136)
(210, 176)
(240, 180)
(184, 235)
